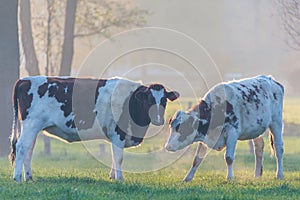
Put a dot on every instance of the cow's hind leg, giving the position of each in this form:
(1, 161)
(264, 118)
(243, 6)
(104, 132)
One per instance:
(276, 131)
(231, 140)
(199, 156)
(27, 163)
(27, 137)
(259, 150)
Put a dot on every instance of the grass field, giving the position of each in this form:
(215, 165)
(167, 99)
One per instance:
(71, 172)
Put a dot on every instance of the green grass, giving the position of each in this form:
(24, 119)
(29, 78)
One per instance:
(291, 110)
(72, 173)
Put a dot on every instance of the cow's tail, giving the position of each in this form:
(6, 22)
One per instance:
(271, 138)
(15, 128)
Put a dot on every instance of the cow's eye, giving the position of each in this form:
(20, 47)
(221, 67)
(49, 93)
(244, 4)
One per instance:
(177, 127)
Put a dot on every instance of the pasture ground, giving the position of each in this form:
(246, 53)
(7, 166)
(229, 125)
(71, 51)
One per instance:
(71, 172)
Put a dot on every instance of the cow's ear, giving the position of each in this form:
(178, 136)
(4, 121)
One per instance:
(173, 95)
(141, 95)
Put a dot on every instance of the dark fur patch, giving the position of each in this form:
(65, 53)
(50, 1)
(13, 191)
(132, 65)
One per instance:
(156, 86)
(25, 99)
(251, 95)
(259, 121)
(136, 110)
(229, 161)
(78, 97)
(185, 129)
(204, 114)
(135, 115)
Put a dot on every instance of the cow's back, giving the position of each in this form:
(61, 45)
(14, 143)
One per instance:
(254, 102)
(64, 106)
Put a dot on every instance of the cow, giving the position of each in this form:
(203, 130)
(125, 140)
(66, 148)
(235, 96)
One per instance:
(79, 109)
(232, 111)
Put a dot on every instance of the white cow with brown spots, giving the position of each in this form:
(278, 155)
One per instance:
(232, 111)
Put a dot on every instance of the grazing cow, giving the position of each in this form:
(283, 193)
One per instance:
(74, 109)
(237, 110)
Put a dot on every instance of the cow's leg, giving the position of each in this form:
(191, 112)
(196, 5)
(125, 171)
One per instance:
(231, 141)
(259, 150)
(276, 131)
(199, 156)
(112, 174)
(27, 137)
(117, 158)
(27, 163)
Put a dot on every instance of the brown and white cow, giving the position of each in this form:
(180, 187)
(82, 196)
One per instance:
(76, 109)
(237, 110)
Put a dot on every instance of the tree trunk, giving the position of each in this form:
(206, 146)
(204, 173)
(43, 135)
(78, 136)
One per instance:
(31, 62)
(9, 67)
(68, 45)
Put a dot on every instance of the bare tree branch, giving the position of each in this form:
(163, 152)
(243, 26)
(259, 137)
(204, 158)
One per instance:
(290, 16)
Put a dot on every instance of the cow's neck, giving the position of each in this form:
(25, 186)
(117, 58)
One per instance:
(137, 110)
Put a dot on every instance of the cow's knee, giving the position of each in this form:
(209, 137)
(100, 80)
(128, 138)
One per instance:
(229, 160)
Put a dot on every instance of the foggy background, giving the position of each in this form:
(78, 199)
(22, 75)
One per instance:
(244, 38)
(188, 46)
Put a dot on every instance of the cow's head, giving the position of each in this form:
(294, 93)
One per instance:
(154, 99)
(187, 127)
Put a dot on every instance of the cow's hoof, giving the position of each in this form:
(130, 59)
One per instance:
(112, 175)
(18, 179)
(280, 177)
(29, 179)
(120, 179)
(187, 179)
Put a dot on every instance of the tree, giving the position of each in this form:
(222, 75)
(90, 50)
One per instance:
(94, 18)
(68, 45)
(31, 61)
(72, 19)
(9, 66)
(290, 16)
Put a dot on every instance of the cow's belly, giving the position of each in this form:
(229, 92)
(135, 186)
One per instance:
(255, 124)
(75, 135)
(56, 132)
(253, 133)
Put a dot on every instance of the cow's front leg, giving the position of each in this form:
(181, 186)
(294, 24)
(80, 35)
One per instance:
(112, 174)
(259, 150)
(117, 154)
(199, 156)
(231, 141)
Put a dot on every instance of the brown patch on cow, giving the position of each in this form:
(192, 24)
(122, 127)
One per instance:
(185, 129)
(251, 95)
(229, 161)
(77, 96)
(25, 99)
(205, 114)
